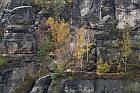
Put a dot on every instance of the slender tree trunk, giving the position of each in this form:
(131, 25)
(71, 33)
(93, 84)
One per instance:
(95, 54)
(125, 63)
(125, 69)
(81, 63)
(87, 47)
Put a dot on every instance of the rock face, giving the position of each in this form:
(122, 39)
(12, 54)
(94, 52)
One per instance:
(100, 16)
(100, 86)
(10, 78)
(85, 86)
(17, 3)
(103, 17)
(42, 85)
(18, 43)
(19, 37)
(101, 10)
(3, 4)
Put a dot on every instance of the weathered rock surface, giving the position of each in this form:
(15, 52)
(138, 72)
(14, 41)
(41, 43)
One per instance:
(18, 43)
(42, 85)
(103, 17)
(3, 4)
(100, 86)
(85, 86)
(100, 16)
(10, 78)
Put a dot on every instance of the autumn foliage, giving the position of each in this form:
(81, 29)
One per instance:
(60, 31)
(83, 45)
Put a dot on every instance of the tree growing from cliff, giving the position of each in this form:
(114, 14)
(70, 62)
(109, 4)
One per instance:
(60, 31)
(83, 45)
(125, 45)
(59, 35)
(80, 44)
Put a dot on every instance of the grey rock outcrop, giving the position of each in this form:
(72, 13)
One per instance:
(103, 17)
(19, 38)
(85, 86)
(3, 4)
(10, 78)
(100, 16)
(42, 85)
(96, 10)
(100, 86)
(18, 44)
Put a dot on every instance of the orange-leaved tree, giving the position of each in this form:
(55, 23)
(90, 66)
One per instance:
(60, 31)
(60, 36)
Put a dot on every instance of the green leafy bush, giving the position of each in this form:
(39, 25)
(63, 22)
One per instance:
(61, 67)
(57, 68)
(43, 51)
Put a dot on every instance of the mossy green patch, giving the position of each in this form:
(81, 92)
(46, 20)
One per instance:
(2, 60)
